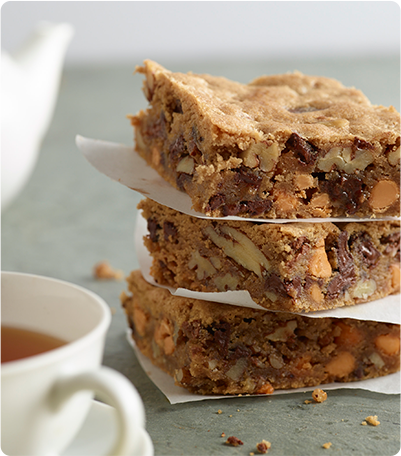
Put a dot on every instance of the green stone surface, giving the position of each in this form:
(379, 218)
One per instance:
(70, 217)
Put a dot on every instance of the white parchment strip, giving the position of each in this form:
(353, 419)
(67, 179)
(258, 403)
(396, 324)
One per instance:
(390, 384)
(385, 310)
(122, 164)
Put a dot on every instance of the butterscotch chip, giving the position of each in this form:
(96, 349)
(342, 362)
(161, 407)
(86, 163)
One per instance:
(319, 395)
(388, 344)
(225, 349)
(342, 364)
(103, 270)
(372, 419)
(271, 148)
(293, 267)
(395, 276)
(384, 194)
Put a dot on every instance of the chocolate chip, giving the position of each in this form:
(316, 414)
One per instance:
(191, 329)
(299, 247)
(230, 209)
(176, 106)
(182, 180)
(243, 174)
(294, 287)
(285, 288)
(240, 351)
(393, 247)
(303, 150)
(363, 246)
(215, 202)
(345, 277)
(193, 149)
(222, 334)
(359, 372)
(153, 226)
(158, 128)
(252, 208)
(170, 232)
(256, 207)
(347, 190)
(177, 149)
(361, 144)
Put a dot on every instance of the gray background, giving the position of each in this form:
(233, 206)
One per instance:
(131, 31)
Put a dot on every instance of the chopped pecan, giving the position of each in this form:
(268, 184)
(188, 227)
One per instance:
(239, 247)
(234, 441)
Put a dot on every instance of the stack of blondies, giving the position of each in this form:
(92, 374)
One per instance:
(296, 180)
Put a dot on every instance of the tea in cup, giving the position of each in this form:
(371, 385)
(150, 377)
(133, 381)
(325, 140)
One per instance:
(53, 336)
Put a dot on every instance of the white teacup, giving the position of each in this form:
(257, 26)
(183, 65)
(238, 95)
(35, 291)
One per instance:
(45, 398)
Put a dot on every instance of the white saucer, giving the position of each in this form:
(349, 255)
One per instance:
(98, 434)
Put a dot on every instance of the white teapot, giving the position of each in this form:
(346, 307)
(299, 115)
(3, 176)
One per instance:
(29, 87)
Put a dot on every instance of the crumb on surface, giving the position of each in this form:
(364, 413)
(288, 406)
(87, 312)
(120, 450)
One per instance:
(219, 412)
(307, 401)
(104, 271)
(223, 434)
(263, 446)
(234, 441)
(327, 445)
(372, 419)
(319, 395)
(364, 423)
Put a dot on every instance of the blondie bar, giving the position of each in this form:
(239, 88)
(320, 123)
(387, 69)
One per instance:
(295, 266)
(214, 348)
(284, 146)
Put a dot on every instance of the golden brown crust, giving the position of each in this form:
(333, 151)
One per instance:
(283, 146)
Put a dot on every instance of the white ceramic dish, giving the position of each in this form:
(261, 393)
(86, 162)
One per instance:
(99, 432)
